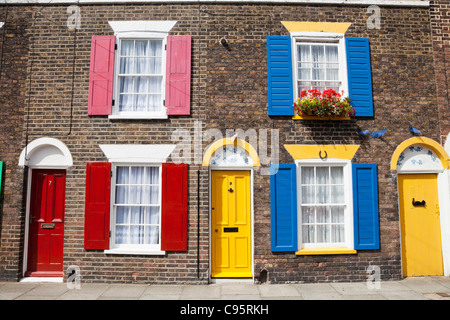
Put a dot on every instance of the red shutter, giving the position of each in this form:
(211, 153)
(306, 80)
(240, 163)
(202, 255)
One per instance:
(178, 75)
(174, 207)
(98, 194)
(101, 75)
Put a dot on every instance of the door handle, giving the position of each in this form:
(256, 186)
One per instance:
(230, 190)
(418, 203)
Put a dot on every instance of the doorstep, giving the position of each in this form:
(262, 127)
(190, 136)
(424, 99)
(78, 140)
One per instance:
(42, 279)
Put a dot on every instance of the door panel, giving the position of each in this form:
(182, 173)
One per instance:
(46, 232)
(420, 225)
(231, 224)
(242, 257)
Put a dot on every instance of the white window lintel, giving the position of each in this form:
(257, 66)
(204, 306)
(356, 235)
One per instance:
(146, 153)
(142, 26)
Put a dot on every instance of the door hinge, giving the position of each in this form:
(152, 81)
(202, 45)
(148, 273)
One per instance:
(110, 174)
(113, 102)
(115, 46)
(165, 47)
(109, 233)
(164, 102)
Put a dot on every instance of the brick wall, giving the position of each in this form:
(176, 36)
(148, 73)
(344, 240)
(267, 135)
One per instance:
(404, 92)
(441, 46)
(13, 99)
(229, 91)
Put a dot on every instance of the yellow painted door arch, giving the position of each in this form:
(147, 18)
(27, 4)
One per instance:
(420, 225)
(230, 224)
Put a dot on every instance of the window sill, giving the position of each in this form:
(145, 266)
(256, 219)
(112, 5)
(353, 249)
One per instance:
(138, 117)
(324, 251)
(303, 117)
(135, 252)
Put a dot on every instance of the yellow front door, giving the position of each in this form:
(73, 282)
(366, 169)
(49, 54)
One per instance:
(230, 224)
(420, 225)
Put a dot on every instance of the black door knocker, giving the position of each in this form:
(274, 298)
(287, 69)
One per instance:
(418, 203)
(230, 190)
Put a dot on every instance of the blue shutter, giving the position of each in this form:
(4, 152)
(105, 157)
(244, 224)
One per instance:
(359, 76)
(365, 206)
(1, 179)
(283, 206)
(279, 76)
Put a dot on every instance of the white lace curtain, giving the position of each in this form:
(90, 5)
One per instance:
(318, 67)
(140, 75)
(137, 205)
(323, 201)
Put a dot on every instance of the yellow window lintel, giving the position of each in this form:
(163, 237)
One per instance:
(323, 251)
(311, 151)
(302, 26)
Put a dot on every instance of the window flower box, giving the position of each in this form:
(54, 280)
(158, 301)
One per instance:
(329, 105)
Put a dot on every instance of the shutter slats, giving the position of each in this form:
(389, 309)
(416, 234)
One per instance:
(283, 205)
(365, 206)
(174, 207)
(97, 207)
(279, 76)
(178, 75)
(359, 76)
(101, 75)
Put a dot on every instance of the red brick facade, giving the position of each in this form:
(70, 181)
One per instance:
(44, 81)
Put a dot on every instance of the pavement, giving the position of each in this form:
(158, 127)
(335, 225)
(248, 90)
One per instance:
(420, 288)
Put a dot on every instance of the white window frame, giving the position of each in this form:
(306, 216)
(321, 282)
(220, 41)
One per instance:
(141, 249)
(162, 114)
(320, 37)
(348, 208)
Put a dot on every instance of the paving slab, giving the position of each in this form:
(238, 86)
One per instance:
(403, 295)
(329, 295)
(391, 286)
(278, 290)
(163, 290)
(13, 290)
(372, 296)
(425, 285)
(48, 290)
(239, 289)
(160, 297)
(41, 297)
(353, 288)
(240, 297)
(207, 292)
(123, 291)
(85, 292)
(436, 296)
(314, 288)
(444, 281)
(297, 297)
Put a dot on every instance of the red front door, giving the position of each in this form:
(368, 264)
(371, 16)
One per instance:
(46, 236)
